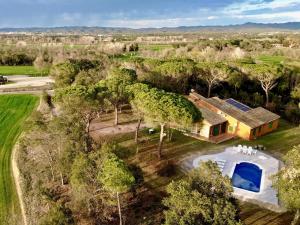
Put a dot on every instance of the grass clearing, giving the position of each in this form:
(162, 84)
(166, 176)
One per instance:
(14, 110)
(22, 70)
(276, 60)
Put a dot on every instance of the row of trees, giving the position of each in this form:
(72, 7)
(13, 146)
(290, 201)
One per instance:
(154, 105)
(72, 178)
(73, 157)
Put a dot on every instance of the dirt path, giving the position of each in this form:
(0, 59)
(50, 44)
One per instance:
(23, 81)
(16, 175)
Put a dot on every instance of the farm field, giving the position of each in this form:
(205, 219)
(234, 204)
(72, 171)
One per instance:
(21, 70)
(14, 110)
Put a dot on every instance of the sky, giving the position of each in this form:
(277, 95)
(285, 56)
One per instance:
(145, 13)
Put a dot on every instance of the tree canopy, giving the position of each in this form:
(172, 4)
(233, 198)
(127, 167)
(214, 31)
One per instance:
(212, 73)
(287, 182)
(115, 87)
(204, 197)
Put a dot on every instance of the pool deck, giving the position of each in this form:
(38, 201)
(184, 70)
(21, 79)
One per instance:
(269, 165)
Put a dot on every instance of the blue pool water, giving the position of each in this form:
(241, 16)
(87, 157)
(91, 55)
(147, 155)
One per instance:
(247, 176)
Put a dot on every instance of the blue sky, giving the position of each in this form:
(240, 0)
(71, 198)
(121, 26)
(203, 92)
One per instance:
(144, 13)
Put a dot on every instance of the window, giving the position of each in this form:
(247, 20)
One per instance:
(254, 132)
(259, 129)
(271, 125)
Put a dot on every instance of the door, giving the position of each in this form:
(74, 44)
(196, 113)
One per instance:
(223, 128)
(216, 131)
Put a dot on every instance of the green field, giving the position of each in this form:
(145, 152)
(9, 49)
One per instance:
(21, 70)
(155, 47)
(276, 60)
(14, 110)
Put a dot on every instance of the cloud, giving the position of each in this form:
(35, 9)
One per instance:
(137, 13)
(282, 16)
(212, 17)
(242, 7)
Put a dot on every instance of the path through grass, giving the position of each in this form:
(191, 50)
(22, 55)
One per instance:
(14, 110)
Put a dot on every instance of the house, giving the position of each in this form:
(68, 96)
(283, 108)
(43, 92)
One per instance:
(225, 119)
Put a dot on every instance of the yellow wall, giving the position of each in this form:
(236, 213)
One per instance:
(238, 128)
(265, 129)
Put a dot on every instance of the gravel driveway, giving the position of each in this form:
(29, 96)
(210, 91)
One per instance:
(23, 81)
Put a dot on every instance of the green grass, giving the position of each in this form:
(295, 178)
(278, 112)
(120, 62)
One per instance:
(155, 47)
(21, 70)
(14, 110)
(276, 60)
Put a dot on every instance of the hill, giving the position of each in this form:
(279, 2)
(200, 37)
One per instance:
(289, 26)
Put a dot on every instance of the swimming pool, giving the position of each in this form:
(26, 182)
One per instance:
(247, 176)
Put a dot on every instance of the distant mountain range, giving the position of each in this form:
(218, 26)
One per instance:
(113, 30)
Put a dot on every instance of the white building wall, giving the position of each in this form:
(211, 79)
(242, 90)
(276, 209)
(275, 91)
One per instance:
(205, 129)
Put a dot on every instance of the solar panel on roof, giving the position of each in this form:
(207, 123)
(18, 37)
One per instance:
(238, 105)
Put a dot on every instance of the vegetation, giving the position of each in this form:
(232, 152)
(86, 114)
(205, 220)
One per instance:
(116, 178)
(115, 88)
(165, 109)
(288, 183)
(73, 173)
(204, 197)
(14, 110)
(22, 70)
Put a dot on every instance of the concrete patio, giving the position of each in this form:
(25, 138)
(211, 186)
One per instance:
(267, 196)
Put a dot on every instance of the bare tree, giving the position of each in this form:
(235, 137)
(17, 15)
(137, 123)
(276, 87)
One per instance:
(212, 74)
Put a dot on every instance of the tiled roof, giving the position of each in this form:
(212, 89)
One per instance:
(262, 115)
(208, 115)
(252, 118)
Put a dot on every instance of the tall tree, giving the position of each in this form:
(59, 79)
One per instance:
(115, 86)
(165, 108)
(204, 197)
(64, 74)
(137, 104)
(212, 74)
(43, 61)
(266, 74)
(236, 79)
(116, 177)
(85, 102)
(287, 181)
(177, 73)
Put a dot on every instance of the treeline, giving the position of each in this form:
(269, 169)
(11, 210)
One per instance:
(255, 83)
(16, 58)
(248, 80)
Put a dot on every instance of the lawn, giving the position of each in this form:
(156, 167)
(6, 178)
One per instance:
(22, 70)
(14, 110)
(276, 60)
(277, 144)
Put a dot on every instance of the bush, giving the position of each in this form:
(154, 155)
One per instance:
(57, 215)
